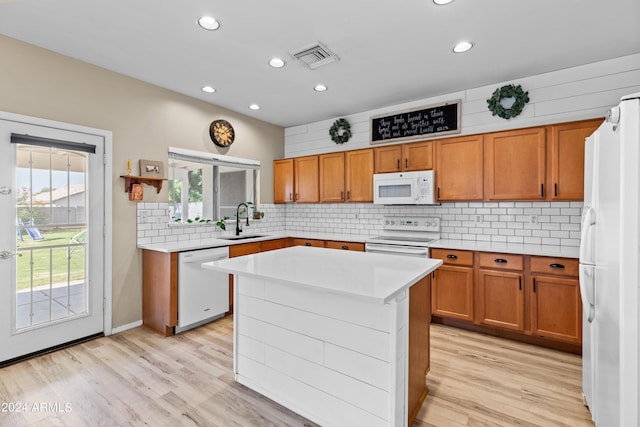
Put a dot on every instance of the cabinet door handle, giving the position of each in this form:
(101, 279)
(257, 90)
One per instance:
(342, 195)
(520, 283)
(555, 189)
(534, 284)
(438, 192)
(348, 195)
(291, 196)
(297, 198)
(307, 243)
(558, 266)
(345, 247)
(406, 163)
(542, 190)
(398, 164)
(450, 256)
(500, 261)
(433, 275)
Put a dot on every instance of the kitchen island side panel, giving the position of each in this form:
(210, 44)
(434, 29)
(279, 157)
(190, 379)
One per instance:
(335, 359)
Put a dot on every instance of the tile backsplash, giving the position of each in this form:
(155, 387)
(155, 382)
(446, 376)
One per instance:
(546, 223)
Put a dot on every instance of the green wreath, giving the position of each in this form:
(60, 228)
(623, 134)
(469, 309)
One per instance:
(335, 131)
(508, 91)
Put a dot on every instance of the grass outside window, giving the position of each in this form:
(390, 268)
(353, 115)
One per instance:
(50, 265)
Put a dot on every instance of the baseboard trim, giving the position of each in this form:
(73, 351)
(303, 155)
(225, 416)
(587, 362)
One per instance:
(126, 327)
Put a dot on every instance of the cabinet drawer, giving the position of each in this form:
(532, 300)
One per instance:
(347, 246)
(308, 242)
(269, 245)
(452, 256)
(501, 261)
(555, 266)
(244, 249)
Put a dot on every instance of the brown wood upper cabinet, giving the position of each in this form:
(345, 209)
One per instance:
(332, 188)
(515, 164)
(283, 181)
(359, 175)
(305, 179)
(566, 159)
(459, 168)
(405, 157)
(347, 176)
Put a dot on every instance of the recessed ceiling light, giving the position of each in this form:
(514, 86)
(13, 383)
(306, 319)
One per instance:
(276, 62)
(208, 23)
(462, 47)
(254, 107)
(208, 89)
(320, 88)
(441, 2)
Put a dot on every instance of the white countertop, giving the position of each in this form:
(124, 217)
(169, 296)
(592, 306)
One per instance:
(377, 277)
(220, 241)
(511, 248)
(468, 245)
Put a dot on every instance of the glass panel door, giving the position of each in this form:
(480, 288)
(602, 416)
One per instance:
(52, 235)
(52, 245)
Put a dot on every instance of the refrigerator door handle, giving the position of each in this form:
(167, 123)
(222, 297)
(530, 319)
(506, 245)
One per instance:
(586, 237)
(587, 291)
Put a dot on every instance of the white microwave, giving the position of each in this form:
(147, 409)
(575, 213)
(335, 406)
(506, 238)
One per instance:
(403, 188)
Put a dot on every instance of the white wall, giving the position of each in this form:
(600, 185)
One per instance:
(572, 94)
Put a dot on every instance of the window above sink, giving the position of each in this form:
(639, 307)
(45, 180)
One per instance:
(208, 187)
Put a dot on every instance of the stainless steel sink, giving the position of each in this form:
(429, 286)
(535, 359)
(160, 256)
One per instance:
(248, 236)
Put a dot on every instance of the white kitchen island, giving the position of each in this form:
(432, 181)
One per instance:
(340, 337)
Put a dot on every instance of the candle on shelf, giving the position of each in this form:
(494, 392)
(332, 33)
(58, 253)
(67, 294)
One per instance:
(129, 167)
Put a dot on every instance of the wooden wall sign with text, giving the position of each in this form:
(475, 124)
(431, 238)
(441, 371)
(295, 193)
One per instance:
(432, 120)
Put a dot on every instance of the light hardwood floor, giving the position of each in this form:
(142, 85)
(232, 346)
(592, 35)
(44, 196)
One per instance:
(141, 378)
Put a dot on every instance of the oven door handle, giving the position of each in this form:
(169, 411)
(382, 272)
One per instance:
(372, 247)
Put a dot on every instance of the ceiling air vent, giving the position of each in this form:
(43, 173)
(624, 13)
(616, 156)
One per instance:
(315, 55)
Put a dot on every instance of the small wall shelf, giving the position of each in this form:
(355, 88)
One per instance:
(129, 180)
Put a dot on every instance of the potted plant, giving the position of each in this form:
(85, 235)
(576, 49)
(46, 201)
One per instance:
(256, 213)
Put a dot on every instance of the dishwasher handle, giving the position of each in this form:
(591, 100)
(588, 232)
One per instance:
(195, 257)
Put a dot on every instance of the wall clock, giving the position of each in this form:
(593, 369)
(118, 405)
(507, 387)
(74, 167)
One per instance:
(222, 133)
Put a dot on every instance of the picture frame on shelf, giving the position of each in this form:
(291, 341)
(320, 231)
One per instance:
(151, 169)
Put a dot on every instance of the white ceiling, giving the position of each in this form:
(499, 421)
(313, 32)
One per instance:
(390, 52)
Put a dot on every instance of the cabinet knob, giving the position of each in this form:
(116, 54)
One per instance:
(307, 243)
(558, 266)
(345, 247)
(500, 261)
(450, 256)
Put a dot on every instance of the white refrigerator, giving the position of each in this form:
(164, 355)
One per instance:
(609, 268)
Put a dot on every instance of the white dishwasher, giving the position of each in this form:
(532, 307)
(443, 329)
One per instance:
(203, 295)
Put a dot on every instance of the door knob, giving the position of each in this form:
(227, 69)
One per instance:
(7, 254)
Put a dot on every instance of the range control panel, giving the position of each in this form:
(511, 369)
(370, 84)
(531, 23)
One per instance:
(417, 223)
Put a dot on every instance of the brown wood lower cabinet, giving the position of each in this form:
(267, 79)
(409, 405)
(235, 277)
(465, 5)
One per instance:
(500, 299)
(419, 345)
(531, 298)
(347, 246)
(160, 291)
(556, 307)
(452, 285)
(308, 242)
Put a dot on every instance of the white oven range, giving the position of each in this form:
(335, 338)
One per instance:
(409, 236)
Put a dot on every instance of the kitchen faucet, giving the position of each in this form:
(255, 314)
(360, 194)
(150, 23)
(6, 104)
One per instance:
(238, 229)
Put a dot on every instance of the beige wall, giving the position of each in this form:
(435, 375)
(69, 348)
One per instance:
(145, 121)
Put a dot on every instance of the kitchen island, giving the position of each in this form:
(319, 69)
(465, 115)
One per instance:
(339, 337)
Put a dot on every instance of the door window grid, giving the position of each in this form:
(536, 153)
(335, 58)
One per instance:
(51, 271)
